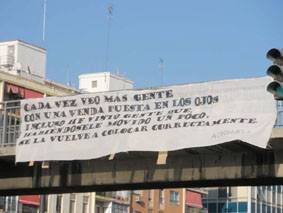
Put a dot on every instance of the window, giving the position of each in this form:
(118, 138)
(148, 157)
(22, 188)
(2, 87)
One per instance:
(273, 196)
(253, 207)
(243, 207)
(263, 208)
(11, 201)
(232, 207)
(222, 192)
(161, 196)
(174, 197)
(273, 210)
(258, 207)
(150, 195)
(161, 199)
(2, 203)
(212, 207)
(94, 84)
(58, 203)
(85, 204)
(119, 208)
(44, 202)
(99, 207)
(279, 189)
(204, 204)
(221, 207)
(72, 203)
(150, 198)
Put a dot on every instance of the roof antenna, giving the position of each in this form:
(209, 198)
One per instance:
(44, 19)
(110, 14)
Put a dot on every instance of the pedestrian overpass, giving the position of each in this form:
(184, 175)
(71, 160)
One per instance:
(230, 164)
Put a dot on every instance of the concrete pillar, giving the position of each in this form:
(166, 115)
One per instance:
(249, 200)
(79, 202)
(109, 208)
(92, 208)
(2, 91)
(52, 203)
(184, 199)
(65, 203)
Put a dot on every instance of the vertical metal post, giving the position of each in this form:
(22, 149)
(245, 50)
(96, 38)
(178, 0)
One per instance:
(42, 204)
(131, 201)
(4, 123)
(44, 20)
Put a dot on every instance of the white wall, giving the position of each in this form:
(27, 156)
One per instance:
(26, 57)
(105, 82)
(79, 202)
(52, 199)
(31, 57)
(117, 83)
(65, 206)
(85, 82)
(242, 193)
(4, 52)
(109, 208)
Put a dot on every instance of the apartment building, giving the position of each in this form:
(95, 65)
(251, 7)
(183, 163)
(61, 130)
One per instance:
(22, 76)
(260, 199)
(158, 200)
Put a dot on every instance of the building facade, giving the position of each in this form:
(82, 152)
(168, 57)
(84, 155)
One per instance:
(103, 81)
(22, 76)
(158, 200)
(259, 199)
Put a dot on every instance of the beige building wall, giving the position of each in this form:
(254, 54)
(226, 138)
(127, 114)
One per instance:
(156, 201)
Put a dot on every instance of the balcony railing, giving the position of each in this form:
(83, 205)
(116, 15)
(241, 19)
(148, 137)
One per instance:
(118, 196)
(7, 60)
(10, 121)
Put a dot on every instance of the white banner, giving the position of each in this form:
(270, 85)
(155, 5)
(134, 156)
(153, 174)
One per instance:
(93, 125)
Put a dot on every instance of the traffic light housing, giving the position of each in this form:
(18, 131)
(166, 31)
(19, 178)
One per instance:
(276, 72)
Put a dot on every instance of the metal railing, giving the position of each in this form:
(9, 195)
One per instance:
(10, 121)
(123, 196)
(7, 60)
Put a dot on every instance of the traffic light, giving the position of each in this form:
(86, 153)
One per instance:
(276, 72)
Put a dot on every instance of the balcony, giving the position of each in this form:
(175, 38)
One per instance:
(9, 123)
(122, 197)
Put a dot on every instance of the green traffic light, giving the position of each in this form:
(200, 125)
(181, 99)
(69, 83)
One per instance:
(276, 89)
(279, 92)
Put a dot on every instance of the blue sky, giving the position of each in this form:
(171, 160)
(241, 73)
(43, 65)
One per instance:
(198, 40)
